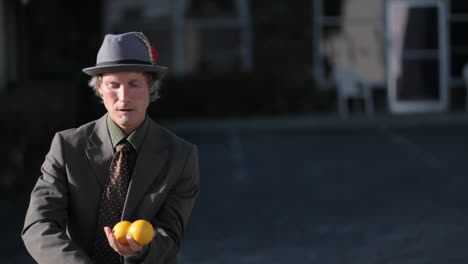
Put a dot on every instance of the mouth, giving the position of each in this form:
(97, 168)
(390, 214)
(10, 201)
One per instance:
(125, 110)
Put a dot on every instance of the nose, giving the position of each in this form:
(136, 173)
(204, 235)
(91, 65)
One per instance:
(124, 93)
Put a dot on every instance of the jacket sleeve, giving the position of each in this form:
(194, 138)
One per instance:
(44, 232)
(173, 216)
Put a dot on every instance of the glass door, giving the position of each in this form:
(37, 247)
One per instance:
(417, 48)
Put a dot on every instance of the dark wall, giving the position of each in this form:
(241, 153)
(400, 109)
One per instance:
(58, 37)
(282, 35)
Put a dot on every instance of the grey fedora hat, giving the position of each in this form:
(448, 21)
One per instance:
(128, 52)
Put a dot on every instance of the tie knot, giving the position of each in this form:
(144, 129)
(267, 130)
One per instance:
(124, 146)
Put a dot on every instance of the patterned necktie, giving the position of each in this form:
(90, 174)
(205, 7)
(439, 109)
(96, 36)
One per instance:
(112, 202)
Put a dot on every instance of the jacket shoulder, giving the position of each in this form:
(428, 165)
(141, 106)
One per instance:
(79, 134)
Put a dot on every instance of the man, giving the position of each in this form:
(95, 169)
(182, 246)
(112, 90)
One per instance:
(122, 166)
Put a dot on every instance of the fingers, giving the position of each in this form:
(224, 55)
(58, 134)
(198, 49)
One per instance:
(110, 236)
(133, 244)
(125, 250)
(111, 239)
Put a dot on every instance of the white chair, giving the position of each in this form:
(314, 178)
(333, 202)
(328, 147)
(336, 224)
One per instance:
(465, 79)
(350, 86)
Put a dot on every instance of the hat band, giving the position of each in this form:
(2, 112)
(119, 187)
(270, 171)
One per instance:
(123, 62)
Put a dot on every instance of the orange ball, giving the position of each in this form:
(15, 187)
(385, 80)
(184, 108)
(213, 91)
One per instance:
(142, 231)
(120, 231)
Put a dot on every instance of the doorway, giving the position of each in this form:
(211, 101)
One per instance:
(417, 55)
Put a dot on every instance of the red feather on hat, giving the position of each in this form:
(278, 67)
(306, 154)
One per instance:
(152, 51)
(154, 54)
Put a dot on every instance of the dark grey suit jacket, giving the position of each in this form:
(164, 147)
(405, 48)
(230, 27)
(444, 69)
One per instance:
(60, 224)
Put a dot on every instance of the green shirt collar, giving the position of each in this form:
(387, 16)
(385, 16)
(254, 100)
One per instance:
(135, 138)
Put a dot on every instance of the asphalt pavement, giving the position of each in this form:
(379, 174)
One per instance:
(320, 189)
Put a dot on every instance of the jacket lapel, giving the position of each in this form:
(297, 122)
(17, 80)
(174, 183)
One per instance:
(99, 150)
(150, 160)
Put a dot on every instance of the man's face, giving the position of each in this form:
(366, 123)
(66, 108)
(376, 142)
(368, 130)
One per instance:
(126, 97)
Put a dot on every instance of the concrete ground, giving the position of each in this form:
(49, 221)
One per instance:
(318, 190)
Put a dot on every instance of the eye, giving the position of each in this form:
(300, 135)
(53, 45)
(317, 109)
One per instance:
(113, 85)
(134, 85)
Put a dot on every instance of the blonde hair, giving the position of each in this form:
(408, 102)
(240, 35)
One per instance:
(153, 84)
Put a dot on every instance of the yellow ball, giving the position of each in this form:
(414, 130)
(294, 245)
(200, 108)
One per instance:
(142, 231)
(120, 231)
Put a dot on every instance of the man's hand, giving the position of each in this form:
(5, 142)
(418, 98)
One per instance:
(125, 250)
